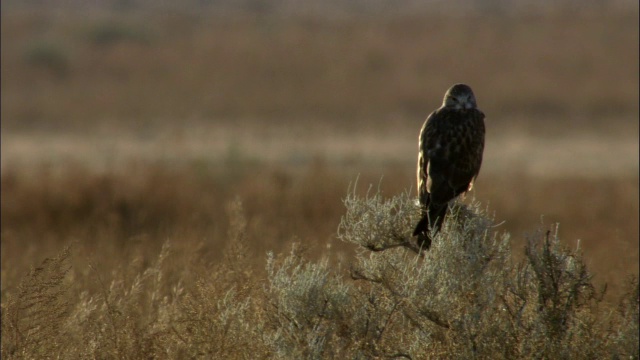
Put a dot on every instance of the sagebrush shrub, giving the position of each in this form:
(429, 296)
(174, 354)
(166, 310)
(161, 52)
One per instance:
(464, 298)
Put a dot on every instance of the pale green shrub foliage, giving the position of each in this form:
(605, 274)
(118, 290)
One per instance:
(465, 298)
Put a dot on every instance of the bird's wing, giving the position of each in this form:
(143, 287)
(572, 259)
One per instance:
(425, 145)
(474, 146)
(436, 141)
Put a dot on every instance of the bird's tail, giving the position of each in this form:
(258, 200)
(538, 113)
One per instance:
(431, 219)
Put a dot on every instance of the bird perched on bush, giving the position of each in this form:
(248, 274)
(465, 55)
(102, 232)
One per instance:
(449, 157)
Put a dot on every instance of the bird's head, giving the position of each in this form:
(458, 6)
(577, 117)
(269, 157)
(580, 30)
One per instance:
(459, 97)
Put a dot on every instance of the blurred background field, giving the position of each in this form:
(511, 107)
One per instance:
(127, 123)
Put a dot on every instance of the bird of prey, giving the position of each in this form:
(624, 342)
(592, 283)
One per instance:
(449, 157)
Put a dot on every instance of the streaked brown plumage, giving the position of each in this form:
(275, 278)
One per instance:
(450, 154)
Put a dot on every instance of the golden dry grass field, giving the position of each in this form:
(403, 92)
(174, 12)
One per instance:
(121, 131)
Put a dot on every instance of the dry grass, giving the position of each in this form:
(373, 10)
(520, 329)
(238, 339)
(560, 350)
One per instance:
(62, 69)
(195, 286)
(141, 206)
